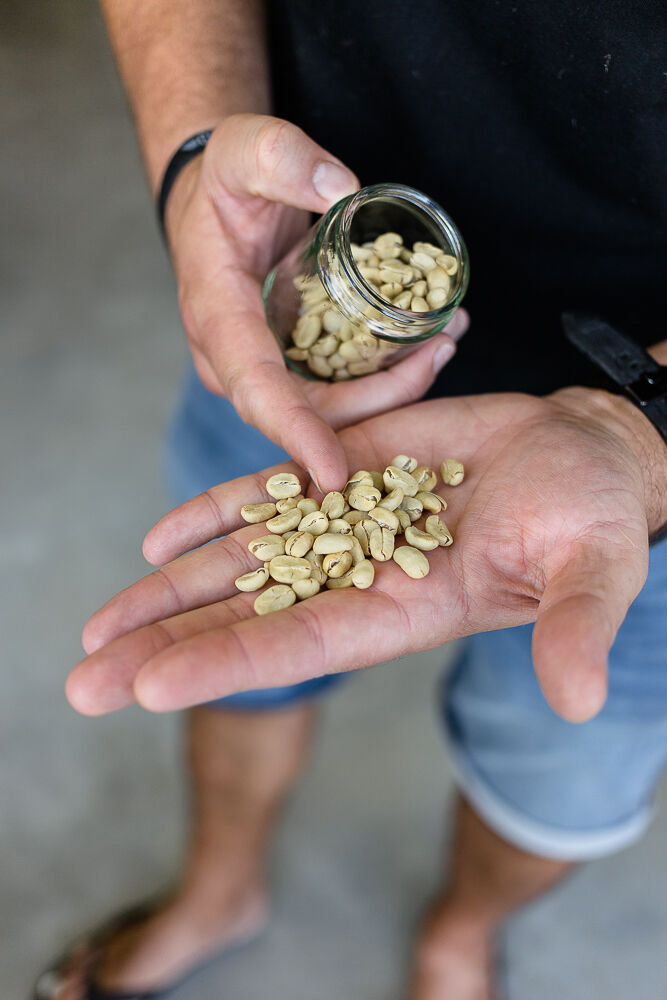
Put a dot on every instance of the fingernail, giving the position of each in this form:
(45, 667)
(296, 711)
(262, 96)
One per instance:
(313, 478)
(444, 354)
(332, 181)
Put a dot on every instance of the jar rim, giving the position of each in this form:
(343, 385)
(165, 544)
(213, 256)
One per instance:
(343, 214)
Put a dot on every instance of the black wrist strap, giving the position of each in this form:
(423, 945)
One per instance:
(191, 147)
(629, 367)
(627, 364)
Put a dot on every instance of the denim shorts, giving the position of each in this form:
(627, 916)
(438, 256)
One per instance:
(557, 789)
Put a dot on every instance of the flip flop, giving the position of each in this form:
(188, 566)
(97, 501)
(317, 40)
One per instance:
(54, 976)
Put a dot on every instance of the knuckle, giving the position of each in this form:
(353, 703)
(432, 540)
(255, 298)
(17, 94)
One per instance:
(272, 144)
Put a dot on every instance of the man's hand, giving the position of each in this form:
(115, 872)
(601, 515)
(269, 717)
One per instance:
(550, 524)
(232, 215)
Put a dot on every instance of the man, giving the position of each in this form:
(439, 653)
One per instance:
(510, 118)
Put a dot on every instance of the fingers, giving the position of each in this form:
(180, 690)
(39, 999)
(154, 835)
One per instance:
(104, 681)
(581, 610)
(275, 160)
(209, 515)
(194, 658)
(404, 382)
(195, 580)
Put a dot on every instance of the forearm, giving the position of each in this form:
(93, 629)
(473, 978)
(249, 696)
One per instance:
(187, 65)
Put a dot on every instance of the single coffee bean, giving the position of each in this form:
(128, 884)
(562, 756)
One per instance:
(305, 588)
(356, 551)
(300, 543)
(420, 539)
(333, 505)
(388, 245)
(284, 522)
(381, 544)
(307, 506)
(253, 513)
(283, 484)
(316, 571)
(335, 564)
(393, 499)
(434, 526)
(287, 569)
(452, 472)
(363, 497)
(426, 478)
(267, 546)
(413, 507)
(393, 477)
(253, 580)
(363, 574)
(430, 501)
(324, 544)
(316, 523)
(274, 599)
(307, 331)
(385, 518)
(339, 526)
(405, 463)
(412, 561)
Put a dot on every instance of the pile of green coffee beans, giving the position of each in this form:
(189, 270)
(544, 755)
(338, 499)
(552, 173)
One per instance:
(332, 346)
(334, 543)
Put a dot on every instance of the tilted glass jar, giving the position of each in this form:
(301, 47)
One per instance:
(321, 296)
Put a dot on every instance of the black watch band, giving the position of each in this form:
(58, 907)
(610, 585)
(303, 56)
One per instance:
(627, 364)
(629, 367)
(187, 151)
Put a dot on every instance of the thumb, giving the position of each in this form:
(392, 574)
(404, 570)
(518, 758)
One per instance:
(260, 156)
(581, 610)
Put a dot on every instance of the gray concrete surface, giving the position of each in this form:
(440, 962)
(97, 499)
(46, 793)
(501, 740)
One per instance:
(91, 810)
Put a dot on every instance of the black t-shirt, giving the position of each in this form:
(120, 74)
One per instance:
(538, 126)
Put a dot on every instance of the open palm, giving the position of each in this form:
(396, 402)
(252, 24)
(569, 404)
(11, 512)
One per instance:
(549, 524)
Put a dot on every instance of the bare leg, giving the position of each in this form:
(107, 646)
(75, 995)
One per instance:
(488, 879)
(242, 765)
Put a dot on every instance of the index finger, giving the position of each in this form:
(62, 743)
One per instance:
(231, 329)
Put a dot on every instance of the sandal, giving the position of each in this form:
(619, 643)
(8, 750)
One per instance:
(90, 945)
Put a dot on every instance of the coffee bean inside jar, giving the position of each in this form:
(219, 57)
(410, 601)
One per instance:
(385, 269)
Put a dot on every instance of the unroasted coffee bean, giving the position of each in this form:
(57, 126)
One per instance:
(283, 484)
(333, 505)
(316, 523)
(363, 574)
(324, 544)
(412, 561)
(335, 564)
(287, 569)
(420, 539)
(452, 472)
(284, 522)
(306, 588)
(434, 526)
(299, 543)
(267, 546)
(274, 599)
(253, 580)
(253, 513)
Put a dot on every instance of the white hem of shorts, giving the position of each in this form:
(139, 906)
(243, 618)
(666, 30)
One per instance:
(537, 838)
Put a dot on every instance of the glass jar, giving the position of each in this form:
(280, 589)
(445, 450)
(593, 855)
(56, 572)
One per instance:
(331, 303)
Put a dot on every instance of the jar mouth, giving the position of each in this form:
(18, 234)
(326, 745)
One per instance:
(416, 217)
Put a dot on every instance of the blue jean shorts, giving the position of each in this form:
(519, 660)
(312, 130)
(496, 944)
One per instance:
(557, 789)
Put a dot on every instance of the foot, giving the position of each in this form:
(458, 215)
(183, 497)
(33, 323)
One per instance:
(157, 951)
(453, 962)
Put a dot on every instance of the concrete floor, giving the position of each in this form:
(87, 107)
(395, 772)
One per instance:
(92, 809)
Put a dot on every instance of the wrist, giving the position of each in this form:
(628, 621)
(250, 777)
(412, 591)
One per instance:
(180, 196)
(617, 415)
